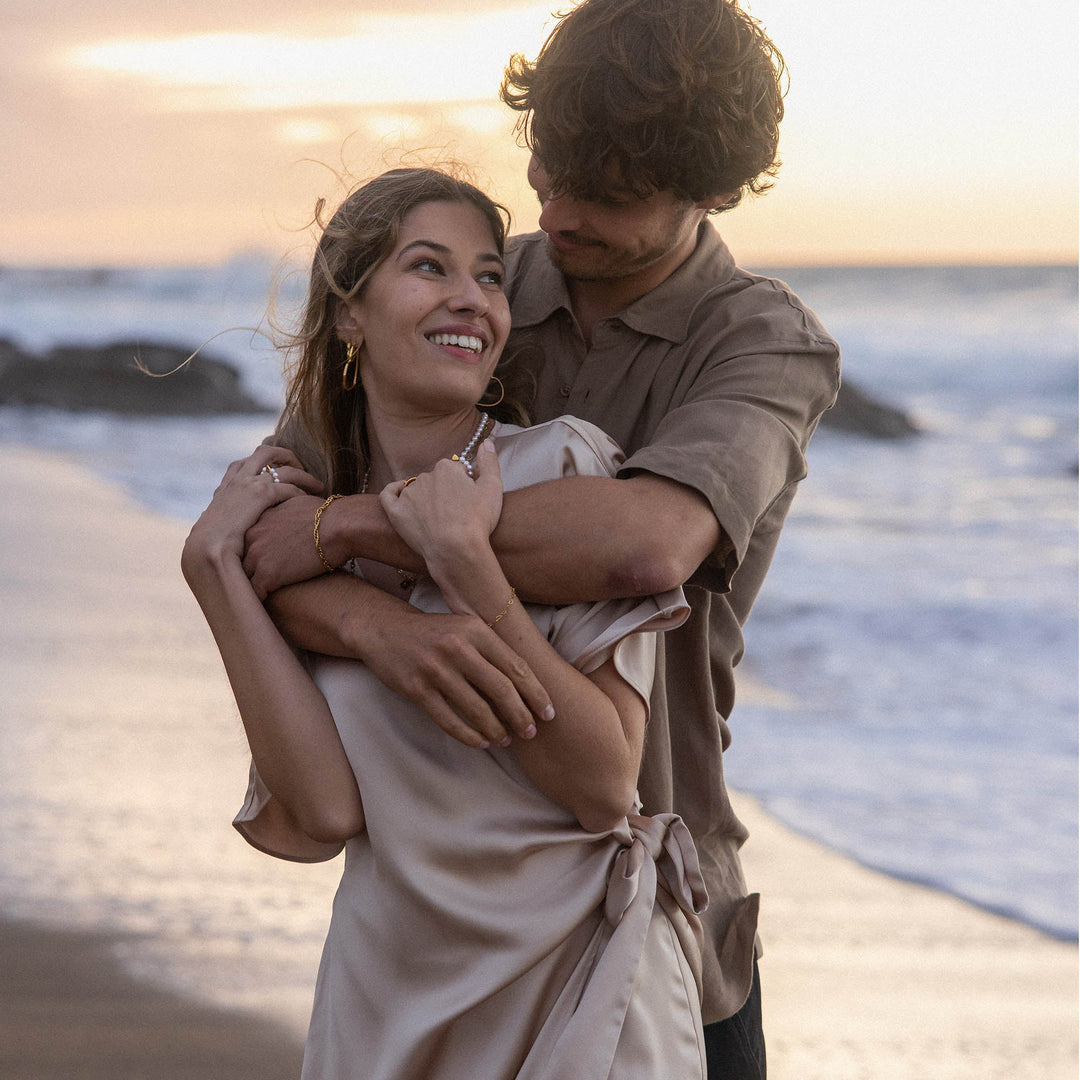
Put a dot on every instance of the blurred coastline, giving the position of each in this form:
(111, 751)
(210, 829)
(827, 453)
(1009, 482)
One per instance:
(921, 609)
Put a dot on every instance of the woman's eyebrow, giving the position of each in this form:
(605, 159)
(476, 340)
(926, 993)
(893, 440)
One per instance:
(442, 249)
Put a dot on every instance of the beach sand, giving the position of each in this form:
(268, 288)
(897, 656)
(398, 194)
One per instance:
(864, 977)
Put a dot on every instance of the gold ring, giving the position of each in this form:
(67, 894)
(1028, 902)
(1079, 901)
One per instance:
(406, 483)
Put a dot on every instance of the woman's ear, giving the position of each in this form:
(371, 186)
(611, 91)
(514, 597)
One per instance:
(348, 325)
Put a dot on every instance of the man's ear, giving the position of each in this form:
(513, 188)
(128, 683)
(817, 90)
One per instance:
(715, 202)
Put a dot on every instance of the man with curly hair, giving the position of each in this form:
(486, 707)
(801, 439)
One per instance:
(644, 117)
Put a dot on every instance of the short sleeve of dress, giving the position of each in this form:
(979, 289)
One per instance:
(566, 446)
(587, 635)
(265, 825)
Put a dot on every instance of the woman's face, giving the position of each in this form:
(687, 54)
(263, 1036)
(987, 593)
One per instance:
(433, 318)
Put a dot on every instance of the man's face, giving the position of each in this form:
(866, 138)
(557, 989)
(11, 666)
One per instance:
(617, 237)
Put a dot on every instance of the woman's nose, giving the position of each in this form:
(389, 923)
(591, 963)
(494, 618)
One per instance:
(467, 295)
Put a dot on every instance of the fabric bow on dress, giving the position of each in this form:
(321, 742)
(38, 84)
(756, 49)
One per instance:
(625, 1014)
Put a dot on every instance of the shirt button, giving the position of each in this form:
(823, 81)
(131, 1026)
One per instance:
(564, 390)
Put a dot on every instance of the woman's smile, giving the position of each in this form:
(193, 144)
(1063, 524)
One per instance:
(466, 343)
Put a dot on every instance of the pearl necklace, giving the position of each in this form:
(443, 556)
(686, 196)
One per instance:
(467, 456)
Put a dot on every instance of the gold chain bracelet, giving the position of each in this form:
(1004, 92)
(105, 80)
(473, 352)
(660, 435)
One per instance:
(318, 547)
(502, 614)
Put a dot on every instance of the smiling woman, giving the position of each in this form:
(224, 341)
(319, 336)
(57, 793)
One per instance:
(501, 875)
(432, 320)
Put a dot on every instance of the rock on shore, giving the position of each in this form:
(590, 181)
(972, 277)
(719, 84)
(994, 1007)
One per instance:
(857, 412)
(81, 377)
(108, 377)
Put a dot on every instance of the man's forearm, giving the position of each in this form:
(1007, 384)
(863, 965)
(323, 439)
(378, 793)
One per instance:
(564, 541)
(316, 615)
(593, 538)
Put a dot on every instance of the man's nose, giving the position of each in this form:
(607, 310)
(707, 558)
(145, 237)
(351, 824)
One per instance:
(559, 214)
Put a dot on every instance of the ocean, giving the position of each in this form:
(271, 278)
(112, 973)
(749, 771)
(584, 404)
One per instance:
(918, 629)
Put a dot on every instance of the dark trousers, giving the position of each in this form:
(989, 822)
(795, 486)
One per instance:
(735, 1047)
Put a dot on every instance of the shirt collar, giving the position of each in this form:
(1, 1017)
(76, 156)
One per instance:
(664, 312)
(539, 288)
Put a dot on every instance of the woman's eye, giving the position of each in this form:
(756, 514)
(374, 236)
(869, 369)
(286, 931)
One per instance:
(432, 266)
(491, 277)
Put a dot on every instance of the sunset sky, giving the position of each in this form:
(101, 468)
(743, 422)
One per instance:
(926, 131)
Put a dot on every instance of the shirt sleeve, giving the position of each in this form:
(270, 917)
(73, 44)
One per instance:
(738, 435)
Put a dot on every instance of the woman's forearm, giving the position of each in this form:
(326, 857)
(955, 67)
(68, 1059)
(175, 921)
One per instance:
(291, 732)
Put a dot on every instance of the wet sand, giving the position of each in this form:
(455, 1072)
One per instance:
(864, 977)
(67, 1010)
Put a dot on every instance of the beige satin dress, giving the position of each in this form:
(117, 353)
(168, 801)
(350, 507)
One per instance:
(479, 933)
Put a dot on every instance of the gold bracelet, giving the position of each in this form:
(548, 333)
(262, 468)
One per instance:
(513, 593)
(318, 547)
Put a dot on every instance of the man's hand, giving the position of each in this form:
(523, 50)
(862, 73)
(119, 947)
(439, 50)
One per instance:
(280, 546)
(471, 684)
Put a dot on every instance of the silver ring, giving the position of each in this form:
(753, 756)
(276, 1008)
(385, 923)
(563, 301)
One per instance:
(272, 473)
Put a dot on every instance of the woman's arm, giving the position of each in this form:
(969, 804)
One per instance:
(587, 757)
(290, 729)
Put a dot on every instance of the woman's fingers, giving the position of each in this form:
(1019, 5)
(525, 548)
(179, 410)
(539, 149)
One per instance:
(277, 464)
(289, 474)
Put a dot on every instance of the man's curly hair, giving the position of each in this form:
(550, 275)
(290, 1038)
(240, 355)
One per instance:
(647, 95)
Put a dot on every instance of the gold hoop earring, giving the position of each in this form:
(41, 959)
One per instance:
(502, 394)
(351, 369)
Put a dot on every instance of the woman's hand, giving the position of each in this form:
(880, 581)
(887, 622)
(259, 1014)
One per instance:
(443, 515)
(247, 489)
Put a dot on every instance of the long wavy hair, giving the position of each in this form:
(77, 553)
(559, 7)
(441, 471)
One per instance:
(320, 415)
(655, 95)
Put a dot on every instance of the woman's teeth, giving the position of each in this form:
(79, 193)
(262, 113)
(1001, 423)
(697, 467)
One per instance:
(462, 341)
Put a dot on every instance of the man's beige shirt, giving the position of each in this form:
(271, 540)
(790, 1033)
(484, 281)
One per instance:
(715, 379)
